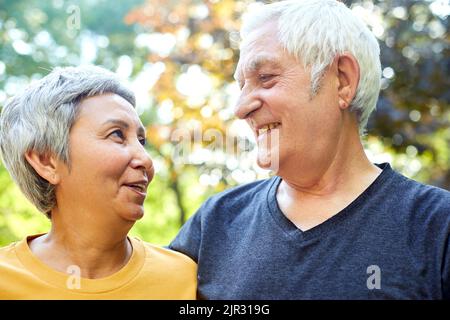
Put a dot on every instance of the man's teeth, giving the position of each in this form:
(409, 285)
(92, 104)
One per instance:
(268, 127)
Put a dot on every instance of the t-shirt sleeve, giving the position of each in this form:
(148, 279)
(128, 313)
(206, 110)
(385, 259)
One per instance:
(188, 239)
(446, 272)
(445, 262)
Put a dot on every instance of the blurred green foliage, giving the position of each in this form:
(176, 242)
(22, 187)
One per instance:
(165, 46)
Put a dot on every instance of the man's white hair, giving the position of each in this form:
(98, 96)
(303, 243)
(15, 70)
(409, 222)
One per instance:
(316, 31)
(40, 119)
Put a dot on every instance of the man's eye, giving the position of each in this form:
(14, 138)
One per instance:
(143, 141)
(265, 77)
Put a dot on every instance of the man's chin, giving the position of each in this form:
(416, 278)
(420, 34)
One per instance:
(268, 163)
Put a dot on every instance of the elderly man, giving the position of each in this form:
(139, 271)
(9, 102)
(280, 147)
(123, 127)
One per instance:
(330, 224)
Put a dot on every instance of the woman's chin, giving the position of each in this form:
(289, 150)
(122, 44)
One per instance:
(134, 214)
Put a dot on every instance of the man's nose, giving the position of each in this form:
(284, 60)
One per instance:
(247, 103)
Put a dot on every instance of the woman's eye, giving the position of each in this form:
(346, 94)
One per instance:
(118, 133)
(143, 141)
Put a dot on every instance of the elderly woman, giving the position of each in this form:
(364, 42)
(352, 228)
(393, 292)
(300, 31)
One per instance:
(74, 144)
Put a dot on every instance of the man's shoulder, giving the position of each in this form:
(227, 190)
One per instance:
(420, 191)
(424, 201)
(237, 200)
(244, 194)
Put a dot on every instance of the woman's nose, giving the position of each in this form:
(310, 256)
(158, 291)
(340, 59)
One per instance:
(142, 160)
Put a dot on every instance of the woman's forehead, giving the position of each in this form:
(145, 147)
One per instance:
(99, 109)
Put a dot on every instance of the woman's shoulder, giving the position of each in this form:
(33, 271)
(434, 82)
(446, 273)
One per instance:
(157, 253)
(170, 273)
(9, 259)
(178, 270)
(8, 251)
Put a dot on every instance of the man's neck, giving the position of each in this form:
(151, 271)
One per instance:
(338, 178)
(309, 202)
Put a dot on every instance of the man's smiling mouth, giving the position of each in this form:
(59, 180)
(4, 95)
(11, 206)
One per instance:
(268, 127)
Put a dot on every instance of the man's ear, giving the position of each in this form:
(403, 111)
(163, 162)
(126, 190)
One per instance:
(45, 165)
(348, 75)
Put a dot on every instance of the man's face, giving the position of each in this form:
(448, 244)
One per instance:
(290, 125)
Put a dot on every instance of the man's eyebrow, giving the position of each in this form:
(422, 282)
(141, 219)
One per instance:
(124, 125)
(257, 63)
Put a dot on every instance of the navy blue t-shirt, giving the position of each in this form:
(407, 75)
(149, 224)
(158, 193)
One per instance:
(392, 242)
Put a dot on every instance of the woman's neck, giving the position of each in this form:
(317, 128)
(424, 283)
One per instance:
(98, 252)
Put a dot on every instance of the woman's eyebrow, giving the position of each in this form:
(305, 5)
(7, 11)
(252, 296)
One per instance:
(124, 125)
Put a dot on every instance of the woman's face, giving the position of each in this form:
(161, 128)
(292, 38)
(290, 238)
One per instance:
(109, 167)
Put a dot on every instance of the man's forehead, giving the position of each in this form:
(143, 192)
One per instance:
(260, 35)
(259, 48)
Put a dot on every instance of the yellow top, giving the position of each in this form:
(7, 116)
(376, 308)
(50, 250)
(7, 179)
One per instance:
(151, 273)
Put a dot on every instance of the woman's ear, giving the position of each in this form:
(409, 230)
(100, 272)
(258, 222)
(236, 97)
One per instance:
(348, 75)
(45, 165)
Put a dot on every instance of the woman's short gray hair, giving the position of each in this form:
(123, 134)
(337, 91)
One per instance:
(40, 119)
(316, 31)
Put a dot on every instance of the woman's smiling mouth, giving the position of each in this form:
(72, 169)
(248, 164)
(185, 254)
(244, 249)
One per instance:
(139, 187)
